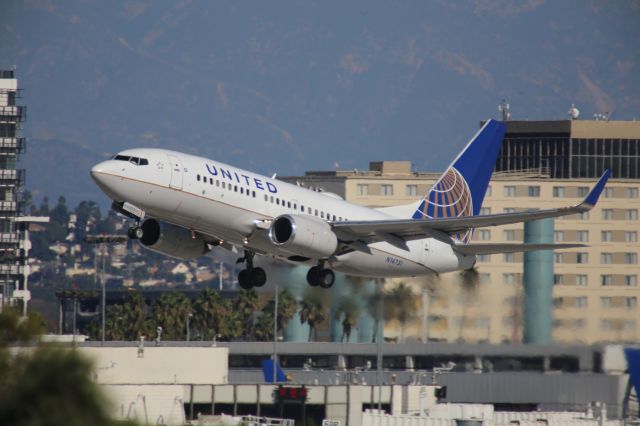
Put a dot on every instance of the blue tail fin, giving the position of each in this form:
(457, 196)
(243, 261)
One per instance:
(461, 188)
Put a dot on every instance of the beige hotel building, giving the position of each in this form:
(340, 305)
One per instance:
(542, 164)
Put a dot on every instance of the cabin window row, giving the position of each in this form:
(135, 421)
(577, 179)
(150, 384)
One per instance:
(230, 187)
(270, 198)
(309, 210)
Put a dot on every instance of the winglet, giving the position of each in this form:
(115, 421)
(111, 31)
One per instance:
(592, 197)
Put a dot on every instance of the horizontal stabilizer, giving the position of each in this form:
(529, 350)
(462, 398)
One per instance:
(510, 247)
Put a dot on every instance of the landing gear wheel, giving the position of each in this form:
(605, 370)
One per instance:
(258, 277)
(326, 278)
(244, 279)
(312, 276)
(135, 232)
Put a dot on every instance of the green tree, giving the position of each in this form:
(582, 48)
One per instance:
(287, 307)
(347, 311)
(138, 318)
(170, 312)
(313, 309)
(402, 302)
(244, 308)
(468, 280)
(211, 315)
(45, 386)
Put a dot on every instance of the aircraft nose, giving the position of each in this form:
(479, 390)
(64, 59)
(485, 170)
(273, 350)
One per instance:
(98, 172)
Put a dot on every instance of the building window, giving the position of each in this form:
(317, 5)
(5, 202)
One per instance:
(608, 192)
(509, 191)
(484, 258)
(485, 210)
(509, 210)
(631, 236)
(533, 191)
(605, 280)
(606, 324)
(632, 192)
(484, 235)
(558, 279)
(558, 257)
(605, 302)
(631, 214)
(362, 189)
(484, 278)
(557, 302)
(631, 280)
(581, 280)
(509, 235)
(629, 325)
(631, 258)
(386, 190)
(558, 191)
(582, 236)
(582, 258)
(582, 216)
(411, 190)
(630, 302)
(583, 191)
(509, 257)
(607, 214)
(558, 236)
(579, 323)
(488, 193)
(510, 278)
(606, 236)
(581, 302)
(606, 258)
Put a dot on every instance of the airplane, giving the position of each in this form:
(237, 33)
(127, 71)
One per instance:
(184, 205)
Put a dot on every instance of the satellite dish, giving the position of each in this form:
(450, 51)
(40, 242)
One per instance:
(574, 112)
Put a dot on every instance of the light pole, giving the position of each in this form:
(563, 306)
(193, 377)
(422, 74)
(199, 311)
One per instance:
(379, 338)
(189, 315)
(275, 334)
(102, 241)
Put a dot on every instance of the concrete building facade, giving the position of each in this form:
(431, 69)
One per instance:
(540, 165)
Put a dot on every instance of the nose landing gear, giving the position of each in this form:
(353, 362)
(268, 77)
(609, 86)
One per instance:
(250, 276)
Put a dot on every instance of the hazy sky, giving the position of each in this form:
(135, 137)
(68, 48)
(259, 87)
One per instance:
(295, 86)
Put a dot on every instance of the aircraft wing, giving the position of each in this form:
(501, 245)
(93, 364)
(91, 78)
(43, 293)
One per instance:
(397, 232)
(510, 247)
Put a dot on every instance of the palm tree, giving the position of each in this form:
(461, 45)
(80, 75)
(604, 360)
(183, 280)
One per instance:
(312, 309)
(170, 312)
(211, 315)
(287, 307)
(115, 323)
(347, 310)
(469, 280)
(244, 308)
(137, 317)
(402, 303)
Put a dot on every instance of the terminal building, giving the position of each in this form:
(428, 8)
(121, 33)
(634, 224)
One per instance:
(541, 164)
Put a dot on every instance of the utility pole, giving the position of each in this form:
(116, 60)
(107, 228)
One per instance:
(101, 242)
(275, 335)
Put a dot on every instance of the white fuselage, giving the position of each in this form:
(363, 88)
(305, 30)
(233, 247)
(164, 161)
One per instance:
(226, 203)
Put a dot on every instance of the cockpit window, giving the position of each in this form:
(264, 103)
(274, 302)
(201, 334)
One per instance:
(133, 160)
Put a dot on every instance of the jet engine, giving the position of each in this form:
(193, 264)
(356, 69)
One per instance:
(304, 236)
(172, 240)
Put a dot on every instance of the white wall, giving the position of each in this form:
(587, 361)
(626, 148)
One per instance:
(159, 365)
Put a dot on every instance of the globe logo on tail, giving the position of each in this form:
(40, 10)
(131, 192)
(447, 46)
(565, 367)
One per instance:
(449, 197)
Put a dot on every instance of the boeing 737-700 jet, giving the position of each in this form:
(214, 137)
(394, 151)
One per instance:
(184, 205)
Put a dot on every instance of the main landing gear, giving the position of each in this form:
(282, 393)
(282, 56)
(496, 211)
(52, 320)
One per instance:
(320, 276)
(250, 277)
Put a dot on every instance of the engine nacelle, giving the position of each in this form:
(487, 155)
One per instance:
(304, 236)
(172, 240)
